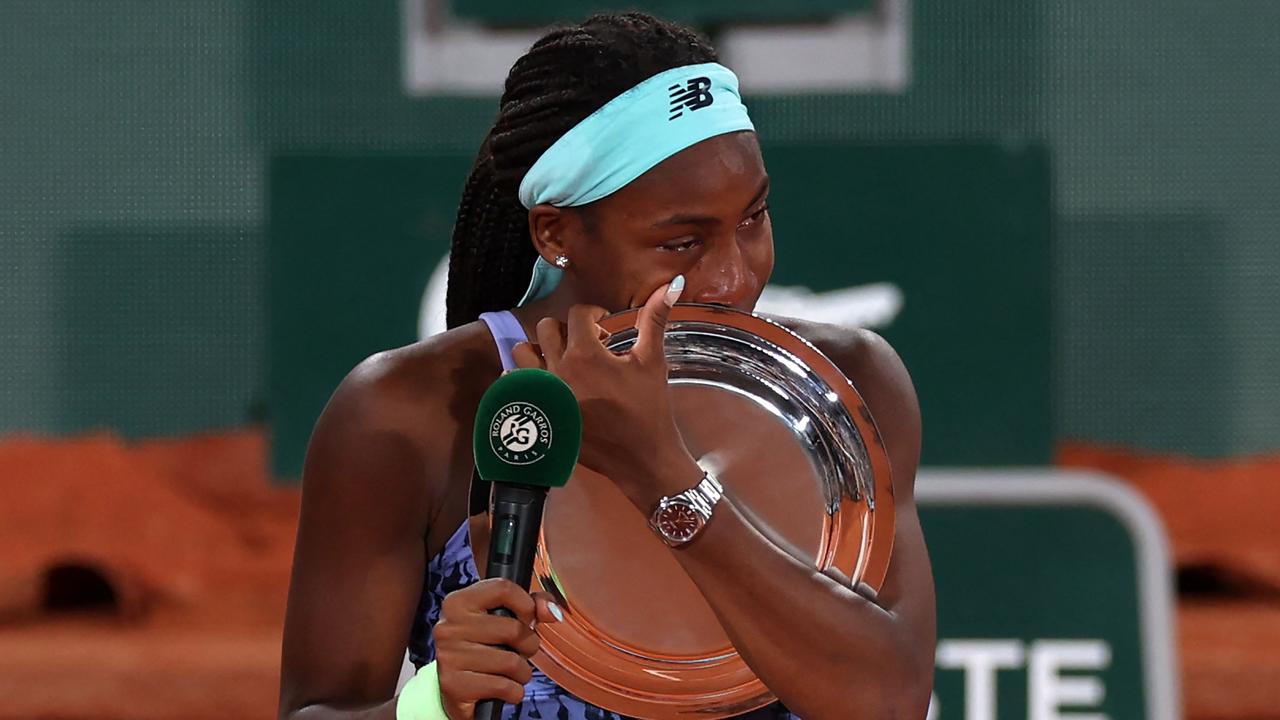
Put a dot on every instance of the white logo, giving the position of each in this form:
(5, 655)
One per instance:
(520, 433)
(871, 306)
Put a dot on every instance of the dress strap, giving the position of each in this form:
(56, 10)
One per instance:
(506, 332)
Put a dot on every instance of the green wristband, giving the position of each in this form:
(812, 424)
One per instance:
(420, 699)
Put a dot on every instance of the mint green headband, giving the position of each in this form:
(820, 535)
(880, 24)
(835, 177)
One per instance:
(626, 138)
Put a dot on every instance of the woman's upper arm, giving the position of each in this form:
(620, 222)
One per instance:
(885, 385)
(359, 558)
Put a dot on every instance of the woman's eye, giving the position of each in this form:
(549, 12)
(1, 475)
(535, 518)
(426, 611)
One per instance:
(680, 246)
(755, 217)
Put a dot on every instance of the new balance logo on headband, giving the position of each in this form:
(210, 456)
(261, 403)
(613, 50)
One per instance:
(620, 142)
(695, 95)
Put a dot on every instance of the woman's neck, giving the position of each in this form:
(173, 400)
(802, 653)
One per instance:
(556, 305)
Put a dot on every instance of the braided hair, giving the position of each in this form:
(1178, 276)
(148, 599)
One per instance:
(568, 74)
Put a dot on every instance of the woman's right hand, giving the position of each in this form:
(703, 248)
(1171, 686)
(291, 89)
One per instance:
(471, 661)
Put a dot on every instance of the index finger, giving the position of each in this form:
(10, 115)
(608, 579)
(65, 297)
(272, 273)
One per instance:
(528, 355)
(584, 329)
(494, 593)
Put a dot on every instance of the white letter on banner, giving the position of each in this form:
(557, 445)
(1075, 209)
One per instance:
(980, 659)
(1048, 690)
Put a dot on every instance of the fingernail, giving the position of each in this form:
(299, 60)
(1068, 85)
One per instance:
(556, 612)
(674, 289)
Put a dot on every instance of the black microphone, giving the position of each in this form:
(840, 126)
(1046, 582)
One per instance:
(528, 433)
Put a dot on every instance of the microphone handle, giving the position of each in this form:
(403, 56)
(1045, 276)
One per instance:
(515, 521)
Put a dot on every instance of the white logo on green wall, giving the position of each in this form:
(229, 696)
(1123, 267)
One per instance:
(873, 306)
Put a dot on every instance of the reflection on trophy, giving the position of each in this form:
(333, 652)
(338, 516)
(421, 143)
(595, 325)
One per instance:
(789, 436)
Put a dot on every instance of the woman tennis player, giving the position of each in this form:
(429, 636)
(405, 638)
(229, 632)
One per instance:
(624, 169)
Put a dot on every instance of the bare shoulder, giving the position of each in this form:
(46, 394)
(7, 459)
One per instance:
(395, 419)
(880, 376)
(380, 495)
(396, 390)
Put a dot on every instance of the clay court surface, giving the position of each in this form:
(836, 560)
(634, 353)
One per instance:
(194, 545)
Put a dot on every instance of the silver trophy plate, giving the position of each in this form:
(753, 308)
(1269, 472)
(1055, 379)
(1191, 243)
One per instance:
(790, 438)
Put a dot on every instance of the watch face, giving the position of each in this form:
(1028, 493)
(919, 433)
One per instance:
(679, 522)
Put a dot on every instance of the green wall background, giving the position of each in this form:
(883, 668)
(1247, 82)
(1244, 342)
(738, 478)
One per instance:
(136, 138)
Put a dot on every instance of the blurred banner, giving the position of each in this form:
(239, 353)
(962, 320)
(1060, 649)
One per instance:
(466, 46)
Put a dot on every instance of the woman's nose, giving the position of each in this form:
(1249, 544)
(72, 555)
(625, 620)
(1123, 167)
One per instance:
(723, 279)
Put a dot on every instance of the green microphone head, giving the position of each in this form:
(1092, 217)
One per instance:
(528, 430)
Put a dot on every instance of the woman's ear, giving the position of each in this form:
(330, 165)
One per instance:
(548, 226)
(557, 232)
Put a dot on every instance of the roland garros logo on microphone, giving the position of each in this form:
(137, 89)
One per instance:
(520, 433)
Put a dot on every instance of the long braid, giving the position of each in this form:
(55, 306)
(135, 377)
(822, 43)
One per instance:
(567, 74)
(487, 256)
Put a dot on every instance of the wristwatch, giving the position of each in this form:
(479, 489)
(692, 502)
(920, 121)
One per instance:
(678, 519)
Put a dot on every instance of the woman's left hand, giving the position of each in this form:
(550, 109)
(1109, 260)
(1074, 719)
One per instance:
(628, 432)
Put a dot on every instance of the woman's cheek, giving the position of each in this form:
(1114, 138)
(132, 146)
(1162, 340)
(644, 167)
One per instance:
(762, 256)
